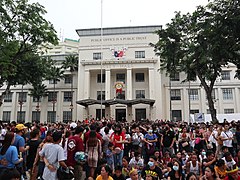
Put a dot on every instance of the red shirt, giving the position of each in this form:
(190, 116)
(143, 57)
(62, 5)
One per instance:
(75, 144)
(116, 137)
(86, 136)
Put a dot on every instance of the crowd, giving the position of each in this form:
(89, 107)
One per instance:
(107, 150)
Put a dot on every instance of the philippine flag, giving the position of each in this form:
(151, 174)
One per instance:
(118, 53)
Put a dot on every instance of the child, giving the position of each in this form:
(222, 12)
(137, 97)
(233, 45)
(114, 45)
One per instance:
(109, 155)
(118, 174)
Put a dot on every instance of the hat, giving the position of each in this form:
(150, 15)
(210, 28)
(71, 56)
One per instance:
(20, 127)
(73, 125)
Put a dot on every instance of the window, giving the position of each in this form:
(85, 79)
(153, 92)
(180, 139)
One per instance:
(177, 115)
(139, 77)
(139, 54)
(97, 56)
(175, 77)
(228, 111)
(193, 111)
(121, 96)
(36, 116)
(140, 94)
(225, 75)
(99, 95)
(227, 94)
(68, 79)
(120, 78)
(21, 116)
(67, 96)
(51, 116)
(6, 116)
(175, 94)
(98, 113)
(193, 94)
(22, 97)
(67, 116)
(99, 78)
(51, 81)
(8, 97)
(52, 96)
(140, 114)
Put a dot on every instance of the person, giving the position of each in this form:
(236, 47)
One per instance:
(227, 137)
(106, 172)
(118, 139)
(176, 172)
(184, 139)
(209, 173)
(229, 161)
(93, 149)
(210, 161)
(118, 174)
(194, 166)
(8, 153)
(137, 140)
(33, 144)
(75, 144)
(109, 155)
(127, 142)
(220, 169)
(233, 175)
(150, 140)
(136, 160)
(53, 155)
(20, 144)
(167, 140)
(125, 166)
(152, 168)
(191, 176)
(133, 175)
(10, 174)
(105, 139)
(237, 158)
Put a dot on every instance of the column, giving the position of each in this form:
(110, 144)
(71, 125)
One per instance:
(108, 84)
(129, 84)
(107, 112)
(86, 84)
(129, 114)
(237, 91)
(151, 83)
(219, 102)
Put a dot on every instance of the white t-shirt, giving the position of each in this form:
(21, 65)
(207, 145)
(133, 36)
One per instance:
(229, 164)
(227, 134)
(53, 153)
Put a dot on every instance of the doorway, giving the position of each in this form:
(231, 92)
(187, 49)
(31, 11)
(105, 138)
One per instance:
(120, 115)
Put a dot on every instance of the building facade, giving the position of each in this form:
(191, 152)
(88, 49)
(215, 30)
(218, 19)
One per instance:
(119, 78)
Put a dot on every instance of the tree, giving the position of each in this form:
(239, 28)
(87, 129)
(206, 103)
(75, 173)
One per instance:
(71, 63)
(22, 30)
(38, 91)
(201, 43)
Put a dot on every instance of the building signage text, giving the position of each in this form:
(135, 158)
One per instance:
(120, 39)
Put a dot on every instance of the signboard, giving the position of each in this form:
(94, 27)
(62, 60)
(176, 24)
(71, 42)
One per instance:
(199, 117)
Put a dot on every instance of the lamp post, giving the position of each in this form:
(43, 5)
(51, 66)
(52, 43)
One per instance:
(189, 101)
(71, 105)
(170, 102)
(101, 59)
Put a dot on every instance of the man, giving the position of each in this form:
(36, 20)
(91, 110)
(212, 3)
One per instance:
(167, 140)
(75, 144)
(19, 142)
(152, 169)
(227, 137)
(53, 155)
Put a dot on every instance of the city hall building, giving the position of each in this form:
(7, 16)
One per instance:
(118, 78)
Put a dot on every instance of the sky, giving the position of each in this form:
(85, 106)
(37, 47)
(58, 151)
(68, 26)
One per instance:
(69, 15)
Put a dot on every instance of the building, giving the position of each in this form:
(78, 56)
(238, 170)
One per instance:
(119, 78)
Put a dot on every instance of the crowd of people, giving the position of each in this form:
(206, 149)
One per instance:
(107, 150)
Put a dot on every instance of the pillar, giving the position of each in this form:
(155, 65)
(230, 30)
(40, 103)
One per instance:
(107, 84)
(129, 114)
(107, 112)
(87, 84)
(237, 106)
(151, 83)
(129, 84)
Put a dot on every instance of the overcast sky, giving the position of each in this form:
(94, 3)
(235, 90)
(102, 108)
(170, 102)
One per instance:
(69, 15)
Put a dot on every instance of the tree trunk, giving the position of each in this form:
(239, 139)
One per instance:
(211, 107)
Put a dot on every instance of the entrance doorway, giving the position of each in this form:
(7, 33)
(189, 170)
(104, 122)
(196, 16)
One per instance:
(140, 114)
(120, 115)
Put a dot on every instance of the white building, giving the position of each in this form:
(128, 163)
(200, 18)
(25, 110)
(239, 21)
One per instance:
(132, 86)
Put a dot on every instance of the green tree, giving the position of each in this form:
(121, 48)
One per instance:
(201, 43)
(71, 63)
(38, 91)
(22, 30)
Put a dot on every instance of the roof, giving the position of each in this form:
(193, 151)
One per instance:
(88, 102)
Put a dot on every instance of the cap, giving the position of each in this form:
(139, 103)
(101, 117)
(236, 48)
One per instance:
(73, 125)
(20, 127)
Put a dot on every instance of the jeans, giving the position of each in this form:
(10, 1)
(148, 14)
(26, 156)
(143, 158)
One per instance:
(118, 159)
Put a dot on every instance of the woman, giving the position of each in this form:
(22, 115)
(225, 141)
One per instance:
(150, 140)
(207, 145)
(184, 139)
(118, 139)
(209, 173)
(176, 172)
(127, 142)
(125, 167)
(194, 166)
(191, 176)
(106, 139)
(198, 140)
(33, 144)
(93, 149)
(137, 139)
(220, 169)
(8, 153)
(106, 172)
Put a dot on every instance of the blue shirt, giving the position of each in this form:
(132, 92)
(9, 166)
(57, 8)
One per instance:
(19, 141)
(109, 157)
(11, 156)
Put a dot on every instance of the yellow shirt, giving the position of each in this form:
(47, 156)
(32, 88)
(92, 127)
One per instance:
(100, 178)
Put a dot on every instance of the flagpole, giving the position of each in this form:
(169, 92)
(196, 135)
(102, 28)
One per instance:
(101, 58)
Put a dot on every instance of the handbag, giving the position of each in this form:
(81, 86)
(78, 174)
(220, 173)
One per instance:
(65, 174)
